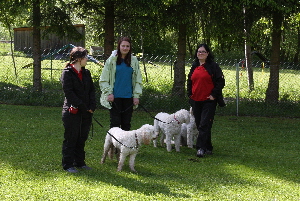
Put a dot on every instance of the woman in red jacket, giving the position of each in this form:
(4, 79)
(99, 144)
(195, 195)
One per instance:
(78, 108)
(204, 86)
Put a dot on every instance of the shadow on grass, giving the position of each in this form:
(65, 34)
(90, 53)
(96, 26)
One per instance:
(31, 140)
(13, 94)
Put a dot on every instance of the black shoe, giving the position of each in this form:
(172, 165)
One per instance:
(71, 170)
(200, 153)
(208, 152)
(85, 167)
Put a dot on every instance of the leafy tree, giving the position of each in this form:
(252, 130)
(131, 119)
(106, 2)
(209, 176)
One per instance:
(278, 10)
(174, 27)
(251, 14)
(7, 20)
(10, 11)
(274, 11)
(176, 15)
(140, 20)
(109, 23)
(36, 22)
(100, 17)
(291, 38)
(46, 13)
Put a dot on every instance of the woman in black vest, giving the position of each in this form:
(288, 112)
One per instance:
(204, 87)
(78, 108)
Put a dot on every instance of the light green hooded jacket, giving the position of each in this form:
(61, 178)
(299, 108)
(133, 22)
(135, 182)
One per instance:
(107, 79)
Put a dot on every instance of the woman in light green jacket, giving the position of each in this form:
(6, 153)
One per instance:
(121, 85)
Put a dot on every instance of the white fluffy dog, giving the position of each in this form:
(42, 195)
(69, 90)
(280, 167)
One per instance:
(189, 131)
(169, 125)
(127, 142)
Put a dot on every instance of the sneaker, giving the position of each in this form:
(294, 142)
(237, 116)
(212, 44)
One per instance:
(200, 153)
(208, 152)
(72, 170)
(85, 167)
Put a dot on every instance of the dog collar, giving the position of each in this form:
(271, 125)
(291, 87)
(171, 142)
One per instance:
(176, 119)
(136, 140)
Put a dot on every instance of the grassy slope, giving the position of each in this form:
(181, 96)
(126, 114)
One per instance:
(254, 159)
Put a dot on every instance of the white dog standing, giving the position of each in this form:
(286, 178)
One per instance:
(189, 131)
(170, 126)
(127, 142)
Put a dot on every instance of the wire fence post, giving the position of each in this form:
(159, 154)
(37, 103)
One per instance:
(237, 88)
(51, 67)
(171, 67)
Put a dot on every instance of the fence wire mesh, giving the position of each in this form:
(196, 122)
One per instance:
(158, 78)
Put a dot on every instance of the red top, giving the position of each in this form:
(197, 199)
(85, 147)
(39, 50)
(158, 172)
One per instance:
(79, 74)
(202, 84)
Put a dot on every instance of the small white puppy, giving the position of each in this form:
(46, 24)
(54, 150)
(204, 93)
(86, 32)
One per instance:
(189, 132)
(169, 126)
(127, 142)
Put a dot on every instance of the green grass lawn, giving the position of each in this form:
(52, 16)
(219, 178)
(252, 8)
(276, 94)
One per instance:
(255, 158)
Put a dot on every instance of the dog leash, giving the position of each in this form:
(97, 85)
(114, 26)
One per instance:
(155, 117)
(92, 125)
(134, 147)
(111, 104)
(98, 122)
(136, 138)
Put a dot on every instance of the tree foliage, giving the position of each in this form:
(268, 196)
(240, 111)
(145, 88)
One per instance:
(175, 27)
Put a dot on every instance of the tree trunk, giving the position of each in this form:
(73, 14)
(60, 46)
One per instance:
(109, 28)
(247, 28)
(272, 94)
(7, 23)
(249, 66)
(36, 12)
(179, 67)
(296, 56)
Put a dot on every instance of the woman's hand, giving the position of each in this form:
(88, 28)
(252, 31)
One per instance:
(90, 111)
(210, 97)
(110, 98)
(136, 101)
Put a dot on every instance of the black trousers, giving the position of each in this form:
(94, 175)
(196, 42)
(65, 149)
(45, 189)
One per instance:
(204, 112)
(77, 127)
(121, 113)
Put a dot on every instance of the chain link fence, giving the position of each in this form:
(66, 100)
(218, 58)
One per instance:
(158, 75)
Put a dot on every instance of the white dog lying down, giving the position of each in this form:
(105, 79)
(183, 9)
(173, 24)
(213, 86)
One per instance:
(127, 142)
(170, 126)
(189, 131)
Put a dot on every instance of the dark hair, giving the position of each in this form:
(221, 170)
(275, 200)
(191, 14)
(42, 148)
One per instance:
(127, 58)
(210, 56)
(77, 53)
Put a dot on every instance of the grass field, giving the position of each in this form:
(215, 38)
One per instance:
(157, 92)
(159, 77)
(255, 158)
